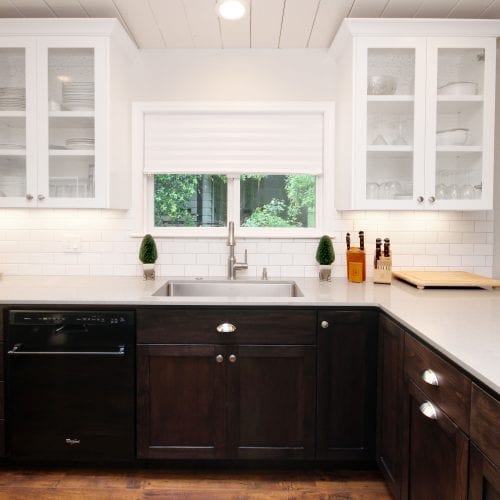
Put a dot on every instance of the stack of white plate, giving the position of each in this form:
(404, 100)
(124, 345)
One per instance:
(12, 99)
(11, 185)
(78, 96)
(80, 143)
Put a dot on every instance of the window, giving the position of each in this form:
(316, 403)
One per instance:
(264, 167)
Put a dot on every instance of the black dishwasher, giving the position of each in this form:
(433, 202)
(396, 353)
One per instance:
(71, 385)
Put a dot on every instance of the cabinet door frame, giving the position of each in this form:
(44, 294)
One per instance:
(362, 45)
(306, 401)
(101, 104)
(30, 68)
(488, 122)
(481, 471)
(453, 433)
(144, 447)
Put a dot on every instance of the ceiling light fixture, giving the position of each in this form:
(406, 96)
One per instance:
(231, 9)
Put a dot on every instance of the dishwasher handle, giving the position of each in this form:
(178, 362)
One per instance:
(16, 351)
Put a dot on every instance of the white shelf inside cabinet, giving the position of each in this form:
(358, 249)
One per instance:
(390, 98)
(12, 114)
(12, 152)
(460, 98)
(71, 152)
(71, 114)
(459, 149)
(389, 149)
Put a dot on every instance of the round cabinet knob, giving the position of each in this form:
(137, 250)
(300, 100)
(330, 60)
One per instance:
(325, 324)
(431, 199)
(420, 199)
(219, 358)
(41, 197)
(232, 358)
(29, 197)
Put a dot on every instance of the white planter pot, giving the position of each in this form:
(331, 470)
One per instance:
(148, 271)
(325, 272)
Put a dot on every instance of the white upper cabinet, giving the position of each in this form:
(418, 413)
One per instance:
(64, 114)
(415, 114)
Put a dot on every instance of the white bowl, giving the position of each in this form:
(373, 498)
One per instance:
(452, 137)
(458, 88)
(382, 85)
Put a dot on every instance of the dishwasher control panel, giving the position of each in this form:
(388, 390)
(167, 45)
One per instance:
(88, 318)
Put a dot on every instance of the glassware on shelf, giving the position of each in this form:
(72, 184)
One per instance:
(390, 189)
(467, 192)
(400, 140)
(441, 191)
(372, 190)
(379, 141)
(382, 85)
(452, 192)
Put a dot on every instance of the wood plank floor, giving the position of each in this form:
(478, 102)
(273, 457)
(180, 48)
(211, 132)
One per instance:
(18, 483)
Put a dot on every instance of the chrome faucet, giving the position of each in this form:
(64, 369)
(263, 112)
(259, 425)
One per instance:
(232, 264)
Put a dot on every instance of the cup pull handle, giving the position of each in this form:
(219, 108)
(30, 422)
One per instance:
(429, 410)
(430, 377)
(226, 328)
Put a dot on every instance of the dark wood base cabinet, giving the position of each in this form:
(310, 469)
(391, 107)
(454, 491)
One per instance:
(228, 399)
(390, 403)
(437, 453)
(347, 384)
(484, 477)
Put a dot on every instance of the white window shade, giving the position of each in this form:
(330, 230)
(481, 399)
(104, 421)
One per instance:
(233, 142)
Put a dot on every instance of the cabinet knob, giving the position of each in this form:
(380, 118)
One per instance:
(226, 328)
(41, 197)
(430, 377)
(232, 358)
(72, 442)
(219, 358)
(325, 324)
(29, 197)
(420, 199)
(431, 199)
(429, 410)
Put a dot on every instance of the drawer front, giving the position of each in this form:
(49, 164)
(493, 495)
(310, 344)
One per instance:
(485, 423)
(251, 326)
(452, 392)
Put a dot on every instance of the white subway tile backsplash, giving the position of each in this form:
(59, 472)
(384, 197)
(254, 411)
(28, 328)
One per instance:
(34, 242)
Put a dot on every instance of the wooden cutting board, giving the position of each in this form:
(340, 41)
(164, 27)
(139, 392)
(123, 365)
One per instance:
(423, 279)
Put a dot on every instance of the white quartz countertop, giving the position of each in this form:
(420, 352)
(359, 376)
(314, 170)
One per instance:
(462, 324)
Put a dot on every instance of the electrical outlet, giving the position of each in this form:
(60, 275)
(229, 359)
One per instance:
(72, 245)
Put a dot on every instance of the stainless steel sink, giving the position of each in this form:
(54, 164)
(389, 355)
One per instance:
(225, 288)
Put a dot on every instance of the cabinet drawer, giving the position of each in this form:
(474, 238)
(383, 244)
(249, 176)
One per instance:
(252, 326)
(452, 392)
(485, 423)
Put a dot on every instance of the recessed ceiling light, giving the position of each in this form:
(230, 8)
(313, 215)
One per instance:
(231, 9)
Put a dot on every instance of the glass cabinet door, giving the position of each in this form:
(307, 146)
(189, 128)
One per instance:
(391, 103)
(72, 131)
(14, 125)
(460, 108)
(71, 118)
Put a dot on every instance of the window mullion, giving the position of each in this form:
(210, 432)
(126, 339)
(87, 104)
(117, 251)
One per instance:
(233, 199)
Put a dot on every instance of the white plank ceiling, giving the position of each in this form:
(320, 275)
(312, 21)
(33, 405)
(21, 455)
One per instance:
(271, 24)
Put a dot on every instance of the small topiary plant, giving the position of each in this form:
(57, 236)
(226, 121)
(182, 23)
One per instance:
(325, 254)
(148, 252)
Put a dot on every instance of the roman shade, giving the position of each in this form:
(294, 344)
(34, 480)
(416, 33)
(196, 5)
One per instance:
(233, 142)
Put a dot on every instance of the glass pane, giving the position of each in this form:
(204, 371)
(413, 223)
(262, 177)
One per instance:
(278, 201)
(390, 123)
(12, 122)
(190, 200)
(391, 71)
(458, 176)
(459, 123)
(460, 71)
(389, 175)
(71, 122)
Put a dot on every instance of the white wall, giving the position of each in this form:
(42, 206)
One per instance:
(496, 229)
(34, 241)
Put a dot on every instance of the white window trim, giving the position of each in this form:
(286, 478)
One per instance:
(141, 189)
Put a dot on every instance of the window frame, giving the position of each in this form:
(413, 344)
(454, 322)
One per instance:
(143, 184)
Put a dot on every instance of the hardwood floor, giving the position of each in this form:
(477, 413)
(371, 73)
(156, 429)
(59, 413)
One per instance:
(29, 483)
